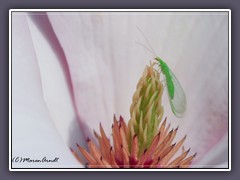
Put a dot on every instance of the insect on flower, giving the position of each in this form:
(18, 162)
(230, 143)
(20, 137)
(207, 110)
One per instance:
(176, 95)
(140, 143)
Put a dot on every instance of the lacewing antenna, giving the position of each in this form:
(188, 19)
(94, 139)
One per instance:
(148, 43)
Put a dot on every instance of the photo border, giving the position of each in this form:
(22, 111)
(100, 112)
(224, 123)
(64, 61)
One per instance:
(119, 10)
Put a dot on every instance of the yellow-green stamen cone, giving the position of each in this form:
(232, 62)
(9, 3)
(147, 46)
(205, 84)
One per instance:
(146, 110)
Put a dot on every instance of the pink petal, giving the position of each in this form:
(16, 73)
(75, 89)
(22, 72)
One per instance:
(202, 69)
(216, 156)
(90, 69)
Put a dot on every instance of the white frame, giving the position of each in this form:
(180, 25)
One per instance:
(118, 10)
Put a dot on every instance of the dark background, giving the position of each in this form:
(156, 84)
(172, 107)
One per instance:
(126, 4)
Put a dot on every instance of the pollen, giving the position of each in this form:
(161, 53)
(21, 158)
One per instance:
(145, 141)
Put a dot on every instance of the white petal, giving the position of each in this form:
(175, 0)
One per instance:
(34, 134)
(55, 79)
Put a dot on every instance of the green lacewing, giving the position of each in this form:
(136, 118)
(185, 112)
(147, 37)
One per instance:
(176, 95)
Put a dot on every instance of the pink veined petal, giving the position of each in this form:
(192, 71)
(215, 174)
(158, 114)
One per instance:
(202, 69)
(34, 134)
(223, 165)
(195, 46)
(105, 64)
(103, 68)
(218, 155)
(90, 69)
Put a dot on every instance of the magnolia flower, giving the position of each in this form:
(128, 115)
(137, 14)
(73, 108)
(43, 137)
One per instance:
(73, 71)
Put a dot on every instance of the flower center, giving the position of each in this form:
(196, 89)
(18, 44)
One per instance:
(145, 142)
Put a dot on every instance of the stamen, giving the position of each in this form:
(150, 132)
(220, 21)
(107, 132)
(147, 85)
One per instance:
(145, 141)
